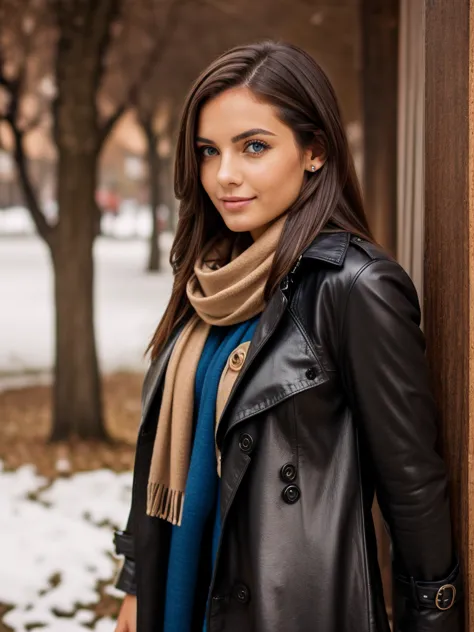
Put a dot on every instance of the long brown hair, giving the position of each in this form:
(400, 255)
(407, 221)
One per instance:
(287, 78)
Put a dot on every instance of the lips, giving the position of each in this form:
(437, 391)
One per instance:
(235, 203)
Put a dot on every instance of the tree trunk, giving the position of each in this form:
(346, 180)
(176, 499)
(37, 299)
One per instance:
(84, 39)
(168, 191)
(84, 32)
(154, 256)
(77, 395)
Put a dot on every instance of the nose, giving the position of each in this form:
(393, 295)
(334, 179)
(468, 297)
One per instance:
(228, 173)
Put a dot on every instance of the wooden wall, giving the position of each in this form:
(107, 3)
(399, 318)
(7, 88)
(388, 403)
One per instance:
(449, 253)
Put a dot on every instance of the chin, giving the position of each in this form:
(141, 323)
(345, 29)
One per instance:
(240, 224)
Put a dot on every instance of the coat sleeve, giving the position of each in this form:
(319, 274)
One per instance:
(385, 372)
(123, 541)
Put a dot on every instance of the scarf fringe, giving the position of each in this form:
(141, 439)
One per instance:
(165, 503)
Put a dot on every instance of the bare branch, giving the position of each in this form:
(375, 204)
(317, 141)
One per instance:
(26, 51)
(44, 229)
(4, 81)
(110, 123)
(155, 55)
(15, 86)
(113, 12)
(12, 108)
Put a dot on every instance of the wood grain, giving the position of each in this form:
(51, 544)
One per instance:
(470, 457)
(449, 255)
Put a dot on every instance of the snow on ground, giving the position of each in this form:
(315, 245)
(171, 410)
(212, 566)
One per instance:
(132, 220)
(56, 543)
(128, 303)
(56, 546)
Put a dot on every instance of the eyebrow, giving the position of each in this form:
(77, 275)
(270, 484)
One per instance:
(235, 139)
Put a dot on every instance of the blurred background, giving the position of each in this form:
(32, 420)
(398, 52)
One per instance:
(90, 98)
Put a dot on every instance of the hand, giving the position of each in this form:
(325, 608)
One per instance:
(127, 619)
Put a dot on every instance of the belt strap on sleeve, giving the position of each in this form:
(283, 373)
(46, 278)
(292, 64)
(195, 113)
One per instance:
(440, 595)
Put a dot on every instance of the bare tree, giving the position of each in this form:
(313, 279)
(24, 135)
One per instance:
(145, 100)
(154, 179)
(158, 127)
(83, 35)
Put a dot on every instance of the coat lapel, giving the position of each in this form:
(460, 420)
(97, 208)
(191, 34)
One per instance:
(267, 324)
(275, 371)
(329, 248)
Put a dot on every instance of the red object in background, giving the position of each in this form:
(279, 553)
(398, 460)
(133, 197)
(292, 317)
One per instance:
(108, 201)
(161, 223)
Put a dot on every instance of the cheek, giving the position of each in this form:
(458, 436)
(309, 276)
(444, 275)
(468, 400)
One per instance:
(280, 175)
(207, 177)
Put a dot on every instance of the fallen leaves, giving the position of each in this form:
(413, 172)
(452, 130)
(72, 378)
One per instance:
(25, 415)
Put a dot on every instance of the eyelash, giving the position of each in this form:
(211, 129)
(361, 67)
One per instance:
(259, 142)
(265, 146)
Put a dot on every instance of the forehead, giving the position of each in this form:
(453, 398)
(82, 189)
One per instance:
(235, 111)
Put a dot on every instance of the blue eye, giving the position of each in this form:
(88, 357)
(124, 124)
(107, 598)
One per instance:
(207, 152)
(258, 147)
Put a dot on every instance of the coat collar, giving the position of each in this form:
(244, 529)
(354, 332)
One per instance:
(329, 247)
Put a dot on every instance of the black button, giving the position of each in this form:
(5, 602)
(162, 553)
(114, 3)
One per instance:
(284, 284)
(311, 373)
(241, 593)
(246, 443)
(288, 473)
(291, 494)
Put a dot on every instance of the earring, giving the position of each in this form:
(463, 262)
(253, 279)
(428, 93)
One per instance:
(313, 168)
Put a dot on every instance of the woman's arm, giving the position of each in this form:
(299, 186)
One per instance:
(386, 374)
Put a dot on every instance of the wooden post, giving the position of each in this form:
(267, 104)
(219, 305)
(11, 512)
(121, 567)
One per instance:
(379, 22)
(449, 254)
(379, 25)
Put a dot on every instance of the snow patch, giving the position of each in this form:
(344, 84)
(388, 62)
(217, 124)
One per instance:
(57, 544)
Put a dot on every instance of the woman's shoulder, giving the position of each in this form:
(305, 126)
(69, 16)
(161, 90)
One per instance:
(370, 266)
(353, 265)
(346, 253)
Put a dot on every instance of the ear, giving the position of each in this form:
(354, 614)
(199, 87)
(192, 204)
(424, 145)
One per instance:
(312, 163)
(315, 154)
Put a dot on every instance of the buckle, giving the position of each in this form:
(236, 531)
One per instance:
(441, 600)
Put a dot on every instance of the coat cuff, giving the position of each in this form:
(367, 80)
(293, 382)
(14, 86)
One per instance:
(126, 579)
(123, 542)
(439, 595)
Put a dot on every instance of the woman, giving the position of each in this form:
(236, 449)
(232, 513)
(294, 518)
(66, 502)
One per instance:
(288, 383)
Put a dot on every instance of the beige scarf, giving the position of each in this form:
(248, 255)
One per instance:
(226, 288)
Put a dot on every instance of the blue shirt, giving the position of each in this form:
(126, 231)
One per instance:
(202, 491)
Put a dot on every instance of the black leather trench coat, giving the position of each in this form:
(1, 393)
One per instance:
(332, 403)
